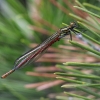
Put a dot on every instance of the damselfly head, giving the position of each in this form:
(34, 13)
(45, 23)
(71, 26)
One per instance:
(73, 25)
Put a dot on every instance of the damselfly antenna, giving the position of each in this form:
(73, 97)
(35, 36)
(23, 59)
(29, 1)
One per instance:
(38, 51)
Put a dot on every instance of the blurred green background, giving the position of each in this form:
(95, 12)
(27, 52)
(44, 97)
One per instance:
(23, 25)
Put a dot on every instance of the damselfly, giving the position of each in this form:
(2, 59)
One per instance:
(36, 52)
